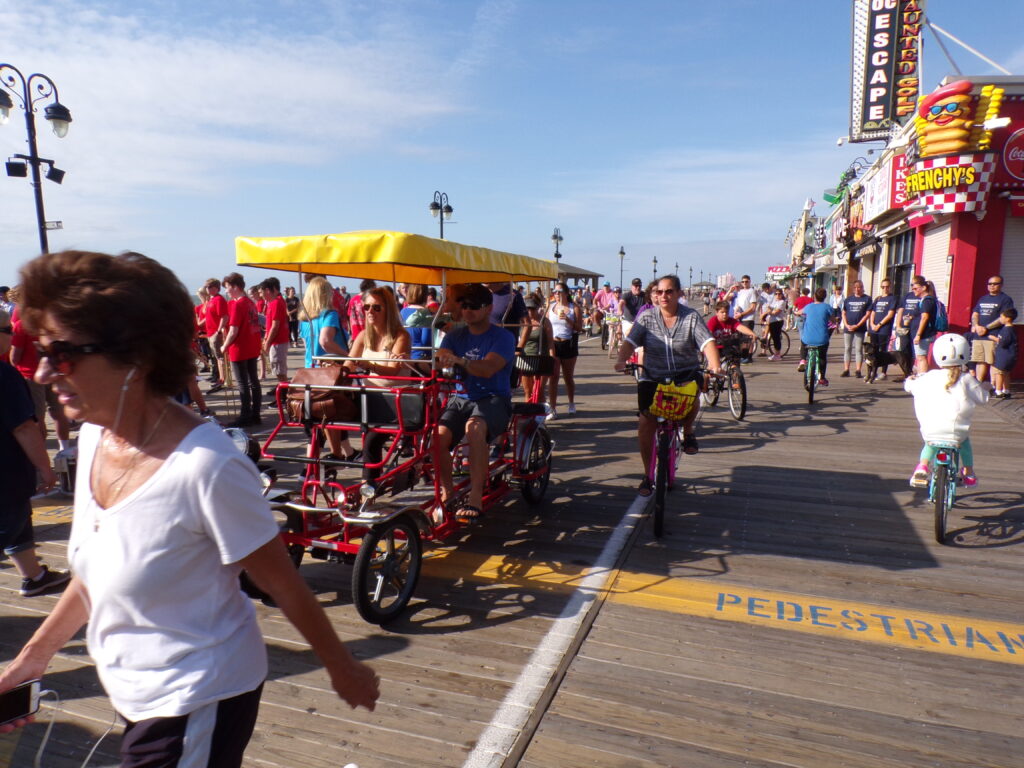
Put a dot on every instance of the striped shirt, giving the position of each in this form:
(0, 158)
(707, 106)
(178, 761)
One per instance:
(669, 351)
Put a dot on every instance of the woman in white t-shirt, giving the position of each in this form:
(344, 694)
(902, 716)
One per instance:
(167, 515)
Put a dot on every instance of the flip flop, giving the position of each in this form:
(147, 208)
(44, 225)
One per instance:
(645, 488)
(468, 512)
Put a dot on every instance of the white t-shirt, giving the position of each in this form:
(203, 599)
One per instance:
(945, 416)
(169, 629)
(745, 299)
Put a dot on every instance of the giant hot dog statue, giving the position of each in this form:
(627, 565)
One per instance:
(949, 121)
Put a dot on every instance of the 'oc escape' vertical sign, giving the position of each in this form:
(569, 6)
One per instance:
(886, 66)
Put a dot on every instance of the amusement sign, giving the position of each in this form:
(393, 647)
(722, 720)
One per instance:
(886, 66)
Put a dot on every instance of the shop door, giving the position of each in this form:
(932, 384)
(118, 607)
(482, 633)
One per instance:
(1011, 266)
(935, 265)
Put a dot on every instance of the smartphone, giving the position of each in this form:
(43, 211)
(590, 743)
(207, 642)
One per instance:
(19, 702)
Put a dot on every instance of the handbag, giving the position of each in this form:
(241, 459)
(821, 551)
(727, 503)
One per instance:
(535, 365)
(308, 401)
(673, 401)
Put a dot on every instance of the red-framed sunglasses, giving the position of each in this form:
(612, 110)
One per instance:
(63, 354)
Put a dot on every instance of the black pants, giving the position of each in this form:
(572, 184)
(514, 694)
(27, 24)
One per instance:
(881, 342)
(247, 377)
(822, 356)
(293, 329)
(775, 332)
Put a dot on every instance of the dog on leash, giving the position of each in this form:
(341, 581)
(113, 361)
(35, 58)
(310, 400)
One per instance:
(875, 358)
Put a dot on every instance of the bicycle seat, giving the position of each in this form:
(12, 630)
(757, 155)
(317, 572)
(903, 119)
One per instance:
(528, 409)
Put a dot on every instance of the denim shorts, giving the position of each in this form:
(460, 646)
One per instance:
(921, 350)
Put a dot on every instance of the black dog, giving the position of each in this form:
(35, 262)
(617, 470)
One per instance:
(875, 358)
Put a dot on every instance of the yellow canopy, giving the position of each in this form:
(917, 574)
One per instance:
(390, 256)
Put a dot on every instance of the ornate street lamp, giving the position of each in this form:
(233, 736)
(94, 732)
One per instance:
(556, 238)
(622, 259)
(28, 92)
(654, 264)
(440, 209)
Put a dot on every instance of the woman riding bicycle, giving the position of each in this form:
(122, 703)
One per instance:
(673, 336)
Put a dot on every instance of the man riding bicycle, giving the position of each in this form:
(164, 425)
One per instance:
(673, 337)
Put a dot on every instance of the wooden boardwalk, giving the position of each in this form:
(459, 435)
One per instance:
(735, 641)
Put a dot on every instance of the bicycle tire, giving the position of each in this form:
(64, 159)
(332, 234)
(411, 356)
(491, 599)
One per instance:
(386, 570)
(811, 376)
(661, 482)
(783, 348)
(737, 393)
(941, 497)
(604, 334)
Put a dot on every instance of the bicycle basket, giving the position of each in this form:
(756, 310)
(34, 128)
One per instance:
(673, 401)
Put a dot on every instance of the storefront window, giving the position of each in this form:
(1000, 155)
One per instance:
(901, 262)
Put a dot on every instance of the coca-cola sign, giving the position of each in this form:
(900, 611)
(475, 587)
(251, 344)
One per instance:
(1013, 155)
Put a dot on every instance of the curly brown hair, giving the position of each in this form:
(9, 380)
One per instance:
(132, 306)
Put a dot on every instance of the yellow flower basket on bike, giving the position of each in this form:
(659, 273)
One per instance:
(674, 401)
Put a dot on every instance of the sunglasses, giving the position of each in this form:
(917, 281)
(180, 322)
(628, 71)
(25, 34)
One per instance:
(373, 308)
(470, 305)
(659, 292)
(989, 284)
(938, 109)
(63, 354)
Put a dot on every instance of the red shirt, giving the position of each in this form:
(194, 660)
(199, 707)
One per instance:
(200, 310)
(277, 311)
(720, 330)
(261, 307)
(802, 302)
(20, 339)
(242, 314)
(216, 308)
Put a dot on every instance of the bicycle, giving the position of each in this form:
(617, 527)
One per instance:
(614, 325)
(942, 484)
(812, 374)
(731, 380)
(764, 341)
(665, 450)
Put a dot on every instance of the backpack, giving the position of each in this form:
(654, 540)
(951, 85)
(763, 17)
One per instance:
(941, 317)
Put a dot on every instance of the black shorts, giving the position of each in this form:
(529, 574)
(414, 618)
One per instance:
(214, 736)
(567, 349)
(645, 389)
(494, 410)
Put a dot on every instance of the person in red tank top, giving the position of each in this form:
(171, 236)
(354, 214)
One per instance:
(242, 348)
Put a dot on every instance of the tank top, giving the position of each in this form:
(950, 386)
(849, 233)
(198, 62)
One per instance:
(562, 329)
(532, 345)
(383, 356)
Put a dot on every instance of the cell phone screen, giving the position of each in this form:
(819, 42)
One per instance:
(19, 702)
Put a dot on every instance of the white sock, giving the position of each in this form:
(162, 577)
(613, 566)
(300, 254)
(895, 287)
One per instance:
(63, 444)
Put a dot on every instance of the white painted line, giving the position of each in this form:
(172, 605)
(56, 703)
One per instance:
(501, 733)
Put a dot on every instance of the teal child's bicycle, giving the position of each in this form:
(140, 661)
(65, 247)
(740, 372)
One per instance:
(942, 484)
(812, 374)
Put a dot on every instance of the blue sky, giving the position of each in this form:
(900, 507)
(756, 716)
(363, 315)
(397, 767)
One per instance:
(688, 131)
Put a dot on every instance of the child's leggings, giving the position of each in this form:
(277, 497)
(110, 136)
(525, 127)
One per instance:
(966, 453)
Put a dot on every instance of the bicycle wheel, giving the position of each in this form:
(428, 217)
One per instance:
(387, 569)
(661, 481)
(737, 393)
(604, 334)
(782, 348)
(710, 398)
(538, 457)
(811, 376)
(941, 494)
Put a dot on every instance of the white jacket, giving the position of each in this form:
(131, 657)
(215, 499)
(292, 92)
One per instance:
(945, 416)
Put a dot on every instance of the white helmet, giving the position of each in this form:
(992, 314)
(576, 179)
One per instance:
(950, 350)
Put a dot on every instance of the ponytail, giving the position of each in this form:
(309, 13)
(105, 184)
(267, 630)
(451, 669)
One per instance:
(955, 372)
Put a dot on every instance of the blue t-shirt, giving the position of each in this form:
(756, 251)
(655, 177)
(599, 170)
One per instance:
(991, 307)
(473, 346)
(17, 473)
(815, 330)
(856, 307)
(909, 307)
(310, 332)
(883, 306)
(926, 304)
(1006, 348)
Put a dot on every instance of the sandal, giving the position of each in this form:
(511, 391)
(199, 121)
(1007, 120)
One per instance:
(468, 513)
(690, 446)
(645, 487)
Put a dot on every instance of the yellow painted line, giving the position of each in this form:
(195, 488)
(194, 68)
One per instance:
(48, 510)
(813, 614)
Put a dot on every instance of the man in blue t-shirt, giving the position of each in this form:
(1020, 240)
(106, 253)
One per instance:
(480, 410)
(855, 320)
(985, 322)
(815, 332)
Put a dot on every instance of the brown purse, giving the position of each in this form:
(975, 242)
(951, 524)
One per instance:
(308, 401)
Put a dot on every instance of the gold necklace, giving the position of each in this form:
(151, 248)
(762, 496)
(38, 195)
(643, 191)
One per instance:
(114, 487)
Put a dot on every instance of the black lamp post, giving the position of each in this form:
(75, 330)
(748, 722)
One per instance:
(654, 264)
(28, 91)
(440, 209)
(556, 238)
(622, 260)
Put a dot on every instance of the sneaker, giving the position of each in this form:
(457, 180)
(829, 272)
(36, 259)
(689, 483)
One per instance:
(775, 358)
(920, 477)
(822, 382)
(969, 480)
(215, 388)
(551, 415)
(572, 409)
(858, 375)
(802, 367)
(880, 376)
(844, 375)
(48, 580)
